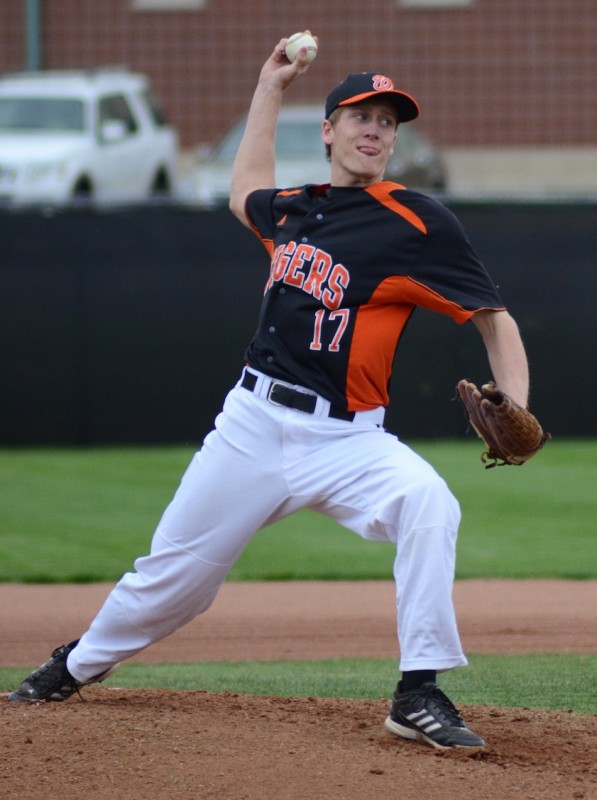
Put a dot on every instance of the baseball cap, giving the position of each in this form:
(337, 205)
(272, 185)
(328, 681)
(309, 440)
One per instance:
(362, 85)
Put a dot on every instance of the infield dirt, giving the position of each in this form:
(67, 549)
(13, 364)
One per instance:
(121, 744)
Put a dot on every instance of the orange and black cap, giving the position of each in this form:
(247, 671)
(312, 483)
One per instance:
(363, 85)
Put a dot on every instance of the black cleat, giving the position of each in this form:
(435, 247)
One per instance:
(427, 714)
(52, 681)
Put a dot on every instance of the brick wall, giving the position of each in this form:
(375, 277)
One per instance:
(493, 73)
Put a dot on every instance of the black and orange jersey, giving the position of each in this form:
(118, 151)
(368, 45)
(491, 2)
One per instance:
(348, 267)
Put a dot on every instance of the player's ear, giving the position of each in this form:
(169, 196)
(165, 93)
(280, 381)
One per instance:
(327, 131)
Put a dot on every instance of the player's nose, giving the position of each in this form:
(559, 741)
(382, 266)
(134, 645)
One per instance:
(372, 130)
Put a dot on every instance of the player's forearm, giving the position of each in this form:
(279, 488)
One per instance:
(254, 166)
(506, 353)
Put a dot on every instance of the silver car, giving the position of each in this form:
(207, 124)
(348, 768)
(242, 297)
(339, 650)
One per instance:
(300, 159)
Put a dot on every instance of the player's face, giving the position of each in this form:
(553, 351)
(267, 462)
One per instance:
(362, 139)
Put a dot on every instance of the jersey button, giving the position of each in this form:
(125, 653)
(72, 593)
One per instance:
(282, 290)
(272, 329)
(270, 359)
(304, 239)
(319, 216)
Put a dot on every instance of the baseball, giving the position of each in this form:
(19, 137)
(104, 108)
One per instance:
(298, 40)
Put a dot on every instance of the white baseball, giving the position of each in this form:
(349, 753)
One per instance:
(298, 40)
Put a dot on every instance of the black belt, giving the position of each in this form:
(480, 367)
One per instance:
(281, 395)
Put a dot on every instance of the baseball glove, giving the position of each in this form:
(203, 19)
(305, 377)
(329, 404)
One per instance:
(512, 434)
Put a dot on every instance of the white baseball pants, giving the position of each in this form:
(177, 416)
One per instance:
(260, 464)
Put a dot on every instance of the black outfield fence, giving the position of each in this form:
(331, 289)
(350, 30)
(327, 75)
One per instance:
(129, 326)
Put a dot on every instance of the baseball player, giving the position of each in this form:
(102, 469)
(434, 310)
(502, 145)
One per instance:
(303, 427)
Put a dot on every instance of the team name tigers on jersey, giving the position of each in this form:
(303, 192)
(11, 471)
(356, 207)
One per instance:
(310, 269)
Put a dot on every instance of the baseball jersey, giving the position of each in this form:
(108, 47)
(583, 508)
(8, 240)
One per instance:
(348, 267)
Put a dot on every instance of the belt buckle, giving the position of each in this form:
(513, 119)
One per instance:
(271, 390)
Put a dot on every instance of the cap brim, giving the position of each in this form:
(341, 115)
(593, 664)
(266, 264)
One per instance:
(406, 105)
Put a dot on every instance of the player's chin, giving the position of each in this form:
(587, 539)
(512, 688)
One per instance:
(372, 168)
(367, 177)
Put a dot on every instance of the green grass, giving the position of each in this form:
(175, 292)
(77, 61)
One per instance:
(85, 514)
(557, 682)
(80, 515)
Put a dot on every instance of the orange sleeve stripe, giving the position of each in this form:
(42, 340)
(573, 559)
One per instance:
(269, 246)
(267, 243)
(382, 193)
(403, 289)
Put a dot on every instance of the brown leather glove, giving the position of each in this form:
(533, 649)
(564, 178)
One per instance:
(512, 434)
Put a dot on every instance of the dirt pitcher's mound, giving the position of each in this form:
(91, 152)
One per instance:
(133, 744)
(126, 744)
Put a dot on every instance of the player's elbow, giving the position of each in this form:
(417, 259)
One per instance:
(491, 323)
(236, 204)
(240, 188)
(247, 178)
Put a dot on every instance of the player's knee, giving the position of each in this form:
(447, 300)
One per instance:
(431, 503)
(443, 491)
(441, 494)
